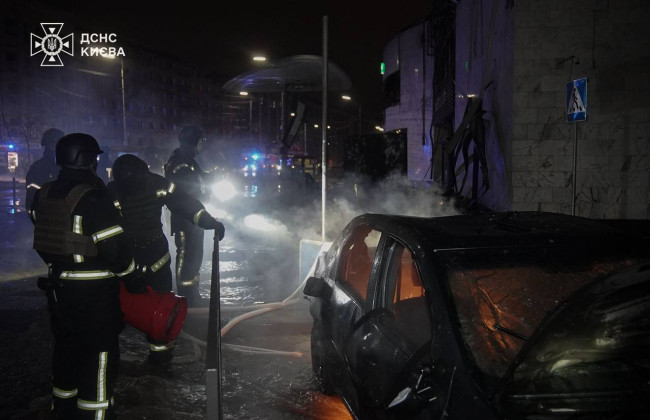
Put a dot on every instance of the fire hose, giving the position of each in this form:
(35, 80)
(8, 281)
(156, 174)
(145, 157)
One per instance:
(255, 310)
(213, 374)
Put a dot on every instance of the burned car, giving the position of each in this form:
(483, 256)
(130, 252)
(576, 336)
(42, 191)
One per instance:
(509, 315)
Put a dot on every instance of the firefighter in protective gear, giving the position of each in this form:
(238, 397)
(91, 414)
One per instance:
(139, 195)
(77, 233)
(45, 169)
(187, 175)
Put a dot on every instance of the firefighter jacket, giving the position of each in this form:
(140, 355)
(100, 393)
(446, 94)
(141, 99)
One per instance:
(42, 171)
(187, 175)
(77, 229)
(140, 205)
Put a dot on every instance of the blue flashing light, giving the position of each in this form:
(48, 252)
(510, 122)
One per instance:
(11, 146)
(255, 156)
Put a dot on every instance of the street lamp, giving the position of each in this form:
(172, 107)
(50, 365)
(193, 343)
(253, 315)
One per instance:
(348, 98)
(112, 57)
(250, 112)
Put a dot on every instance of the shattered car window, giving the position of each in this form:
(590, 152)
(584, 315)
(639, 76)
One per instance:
(357, 255)
(597, 344)
(502, 296)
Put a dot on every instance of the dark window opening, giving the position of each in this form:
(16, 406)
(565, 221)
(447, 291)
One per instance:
(392, 89)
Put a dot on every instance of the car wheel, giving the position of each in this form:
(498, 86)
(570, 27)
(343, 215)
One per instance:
(318, 363)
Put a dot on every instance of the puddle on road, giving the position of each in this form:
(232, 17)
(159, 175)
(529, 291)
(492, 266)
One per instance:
(263, 386)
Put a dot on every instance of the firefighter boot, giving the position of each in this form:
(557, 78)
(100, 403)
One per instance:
(160, 363)
(160, 357)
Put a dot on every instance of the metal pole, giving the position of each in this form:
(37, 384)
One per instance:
(282, 122)
(324, 131)
(123, 102)
(213, 355)
(13, 182)
(359, 120)
(575, 168)
(259, 119)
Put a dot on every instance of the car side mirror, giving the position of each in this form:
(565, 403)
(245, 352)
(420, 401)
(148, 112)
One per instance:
(317, 287)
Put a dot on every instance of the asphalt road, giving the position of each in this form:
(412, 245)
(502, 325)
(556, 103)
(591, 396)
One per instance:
(265, 359)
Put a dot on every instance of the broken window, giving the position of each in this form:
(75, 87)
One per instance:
(356, 261)
(503, 295)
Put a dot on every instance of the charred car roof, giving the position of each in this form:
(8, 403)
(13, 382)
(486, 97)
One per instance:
(511, 229)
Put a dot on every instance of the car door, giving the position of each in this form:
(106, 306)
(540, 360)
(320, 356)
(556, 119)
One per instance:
(353, 292)
(388, 340)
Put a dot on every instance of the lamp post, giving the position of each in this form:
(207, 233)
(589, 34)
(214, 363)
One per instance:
(112, 57)
(251, 102)
(348, 98)
(123, 102)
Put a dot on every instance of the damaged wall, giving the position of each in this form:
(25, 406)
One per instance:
(484, 68)
(609, 43)
(520, 68)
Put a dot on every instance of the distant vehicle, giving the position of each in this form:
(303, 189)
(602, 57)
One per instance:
(495, 316)
(260, 183)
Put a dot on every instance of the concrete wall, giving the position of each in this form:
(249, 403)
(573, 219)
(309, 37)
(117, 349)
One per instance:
(519, 61)
(609, 43)
(406, 53)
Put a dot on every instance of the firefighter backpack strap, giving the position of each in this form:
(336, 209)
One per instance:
(76, 194)
(78, 243)
(43, 192)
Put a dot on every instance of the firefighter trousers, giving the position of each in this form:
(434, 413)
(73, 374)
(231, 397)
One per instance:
(189, 257)
(86, 328)
(154, 259)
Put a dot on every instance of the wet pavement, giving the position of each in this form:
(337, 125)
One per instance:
(265, 359)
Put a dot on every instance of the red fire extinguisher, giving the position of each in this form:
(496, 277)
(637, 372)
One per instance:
(160, 315)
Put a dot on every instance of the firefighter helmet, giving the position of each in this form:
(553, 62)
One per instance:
(77, 150)
(50, 137)
(190, 135)
(129, 168)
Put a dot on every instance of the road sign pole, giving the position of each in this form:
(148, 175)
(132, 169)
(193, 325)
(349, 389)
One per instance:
(576, 111)
(13, 186)
(575, 169)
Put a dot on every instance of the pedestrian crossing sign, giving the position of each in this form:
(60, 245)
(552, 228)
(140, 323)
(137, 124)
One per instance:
(576, 100)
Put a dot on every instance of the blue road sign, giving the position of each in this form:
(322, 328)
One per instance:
(576, 100)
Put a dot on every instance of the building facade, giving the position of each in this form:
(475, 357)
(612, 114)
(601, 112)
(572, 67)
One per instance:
(408, 78)
(509, 145)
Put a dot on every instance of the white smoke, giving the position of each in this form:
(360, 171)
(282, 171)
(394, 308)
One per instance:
(353, 196)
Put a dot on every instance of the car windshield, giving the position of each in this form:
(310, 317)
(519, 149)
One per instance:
(595, 346)
(502, 295)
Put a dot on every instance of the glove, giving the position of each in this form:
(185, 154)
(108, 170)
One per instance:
(210, 223)
(134, 283)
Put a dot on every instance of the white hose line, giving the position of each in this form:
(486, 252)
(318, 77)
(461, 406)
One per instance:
(230, 309)
(244, 349)
(254, 308)
(258, 310)
(236, 320)
(259, 350)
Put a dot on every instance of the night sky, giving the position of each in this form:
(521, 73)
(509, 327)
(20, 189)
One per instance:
(223, 36)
